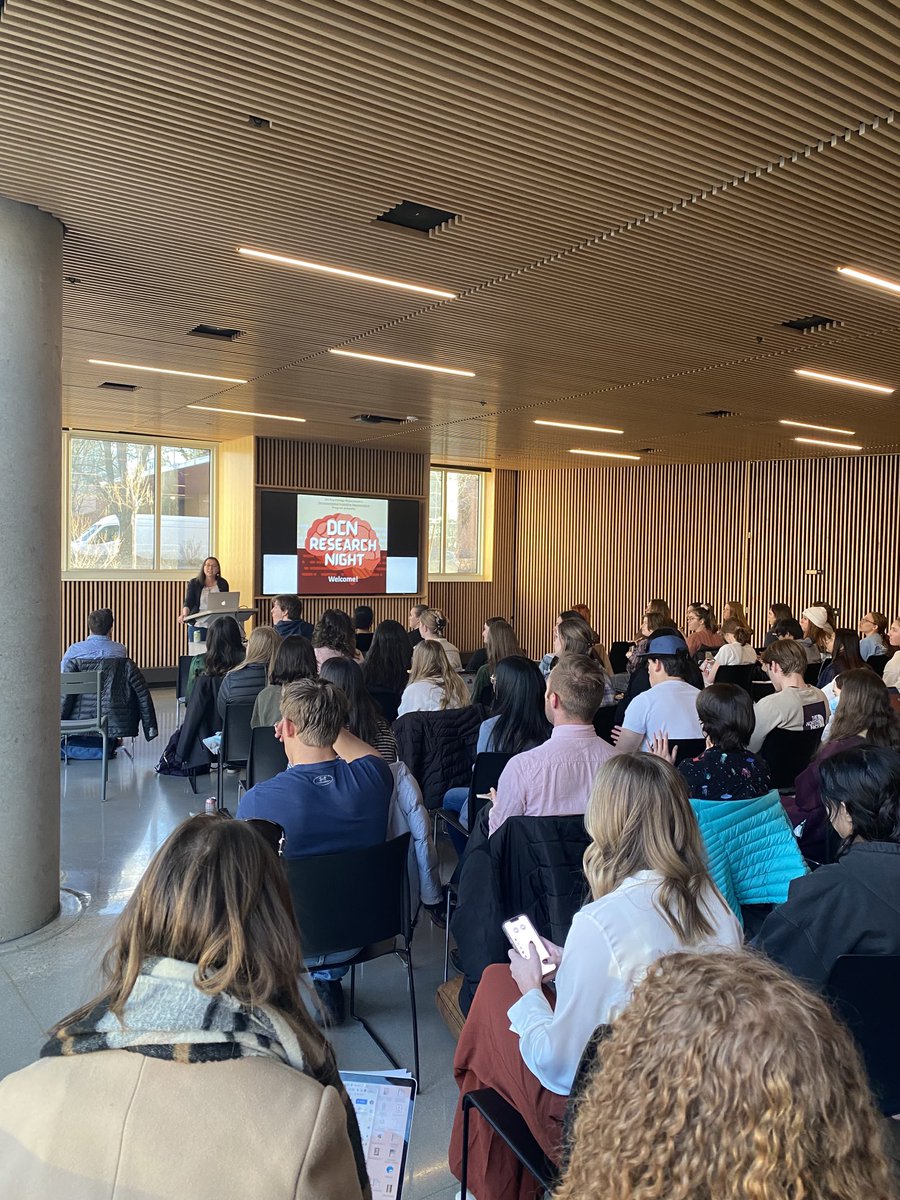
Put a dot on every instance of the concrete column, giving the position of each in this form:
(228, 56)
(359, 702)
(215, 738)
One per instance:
(30, 491)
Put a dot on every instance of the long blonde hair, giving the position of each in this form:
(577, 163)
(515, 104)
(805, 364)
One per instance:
(431, 665)
(725, 1079)
(262, 646)
(639, 818)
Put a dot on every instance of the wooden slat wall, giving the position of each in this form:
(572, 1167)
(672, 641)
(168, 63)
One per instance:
(466, 605)
(146, 612)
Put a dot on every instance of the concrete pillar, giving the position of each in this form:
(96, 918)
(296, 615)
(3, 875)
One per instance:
(30, 491)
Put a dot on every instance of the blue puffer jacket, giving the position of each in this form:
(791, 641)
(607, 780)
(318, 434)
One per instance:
(752, 852)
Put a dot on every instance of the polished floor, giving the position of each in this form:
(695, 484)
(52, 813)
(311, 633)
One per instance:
(105, 849)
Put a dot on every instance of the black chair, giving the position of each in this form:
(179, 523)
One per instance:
(270, 831)
(604, 720)
(878, 662)
(181, 681)
(265, 758)
(686, 748)
(359, 898)
(787, 753)
(740, 676)
(234, 749)
(811, 674)
(618, 656)
(864, 989)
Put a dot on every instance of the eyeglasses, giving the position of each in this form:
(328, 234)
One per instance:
(866, 621)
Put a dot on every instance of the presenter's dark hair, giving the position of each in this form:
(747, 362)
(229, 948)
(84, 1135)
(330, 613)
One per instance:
(294, 659)
(101, 621)
(726, 714)
(201, 578)
(519, 690)
(292, 605)
(224, 646)
(364, 720)
(389, 658)
(866, 780)
(363, 617)
(334, 629)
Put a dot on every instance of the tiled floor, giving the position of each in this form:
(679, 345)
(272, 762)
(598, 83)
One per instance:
(105, 848)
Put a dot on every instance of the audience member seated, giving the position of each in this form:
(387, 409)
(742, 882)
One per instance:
(737, 651)
(479, 658)
(224, 650)
(700, 623)
(333, 637)
(518, 720)
(669, 707)
(125, 701)
(98, 643)
(294, 659)
(651, 895)
(287, 617)
(433, 684)
(751, 1079)
(244, 682)
(637, 679)
(726, 770)
(660, 608)
(733, 610)
(891, 676)
(853, 905)
(600, 652)
(845, 656)
(555, 778)
(795, 704)
(786, 627)
(777, 612)
(202, 1014)
(816, 630)
(574, 636)
(864, 716)
(386, 668)
(415, 615)
(230, 643)
(873, 635)
(363, 620)
(364, 719)
(334, 796)
(433, 626)
(501, 643)
(830, 611)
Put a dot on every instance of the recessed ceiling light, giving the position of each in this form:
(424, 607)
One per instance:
(834, 445)
(854, 383)
(244, 412)
(103, 362)
(311, 266)
(875, 280)
(606, 454)
(821, 428)
(585, 428)
(404, 362)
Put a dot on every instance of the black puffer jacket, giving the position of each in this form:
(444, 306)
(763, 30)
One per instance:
(242, 686)
(125, 699)
(531, 865)
(439, 748)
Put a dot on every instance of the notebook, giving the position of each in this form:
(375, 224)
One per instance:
(383, 1103)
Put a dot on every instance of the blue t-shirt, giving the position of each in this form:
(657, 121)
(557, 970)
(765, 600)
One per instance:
(327, 807)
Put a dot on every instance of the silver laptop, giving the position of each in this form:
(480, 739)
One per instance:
(223, 602)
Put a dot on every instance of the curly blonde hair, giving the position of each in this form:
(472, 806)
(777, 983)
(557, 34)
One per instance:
(725, 1079)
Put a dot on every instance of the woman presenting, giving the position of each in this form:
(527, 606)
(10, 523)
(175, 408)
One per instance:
(196, 597)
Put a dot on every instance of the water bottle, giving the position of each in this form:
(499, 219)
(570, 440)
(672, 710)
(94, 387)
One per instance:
(211, 806)
(196, 637)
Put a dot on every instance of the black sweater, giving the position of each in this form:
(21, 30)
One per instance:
(193, 590)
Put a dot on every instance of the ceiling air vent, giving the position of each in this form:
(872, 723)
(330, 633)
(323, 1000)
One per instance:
(375, 419)
(120, 387)
(420, 217)
(719, 413)
(813, 324)
(649, 450)
(220, 332)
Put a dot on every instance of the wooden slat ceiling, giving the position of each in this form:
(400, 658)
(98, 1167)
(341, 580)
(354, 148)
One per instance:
(647, 189)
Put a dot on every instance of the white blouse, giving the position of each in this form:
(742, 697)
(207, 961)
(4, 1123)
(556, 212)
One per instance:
(733, 655)
(611, 944)
(423, 696)
(892, 671)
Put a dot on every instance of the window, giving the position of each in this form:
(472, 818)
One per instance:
(457, 523)
(135, 505)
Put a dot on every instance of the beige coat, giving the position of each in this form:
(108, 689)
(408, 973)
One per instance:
(115, 1125)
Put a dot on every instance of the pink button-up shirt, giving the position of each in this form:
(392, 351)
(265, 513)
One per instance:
(552, 780)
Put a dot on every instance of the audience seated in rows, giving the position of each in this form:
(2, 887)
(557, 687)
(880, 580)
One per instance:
(432, 627)
(723, 1079)
(415, 615)
(669, 706)
(334, 796)
(479, 658)
(99, 642)
(726, 770)
(853, 905)
(333, 637)
(201, 1015)
(244, 682)
(737, 651)
(733, 610)
(387, 666)
(294, 659)
(573, 635)
(816, 630)
(501, 642)
(873, 635)
(364, 718)
(554, 778)
(700, 623)
(843, 646)
(433, 683)
(287, 617)
(651, 895)
(795, 704)
(363, 620)
(777, 612)
(229, 643)
(653, 625)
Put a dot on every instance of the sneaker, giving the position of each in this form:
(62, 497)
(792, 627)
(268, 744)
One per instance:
(331, 999)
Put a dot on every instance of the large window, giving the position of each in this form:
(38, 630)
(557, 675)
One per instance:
(457, 523)
(135, 505)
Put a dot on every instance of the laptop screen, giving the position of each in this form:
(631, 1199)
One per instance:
(384, 1110)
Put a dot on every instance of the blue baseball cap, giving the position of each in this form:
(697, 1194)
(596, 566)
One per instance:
(669, 643)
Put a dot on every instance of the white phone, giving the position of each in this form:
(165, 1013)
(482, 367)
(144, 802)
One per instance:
(523, 935)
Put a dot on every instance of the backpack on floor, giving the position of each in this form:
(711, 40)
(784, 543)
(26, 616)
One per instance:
(170, 764)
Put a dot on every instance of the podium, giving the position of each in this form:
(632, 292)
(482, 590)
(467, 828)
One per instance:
(203, 620)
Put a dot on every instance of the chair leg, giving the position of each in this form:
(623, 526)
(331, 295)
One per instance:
(447, 939)
(192, 780)
(365, 1024)
(220, 785)
(415, 1022)
(464, 1165)
(104, 767)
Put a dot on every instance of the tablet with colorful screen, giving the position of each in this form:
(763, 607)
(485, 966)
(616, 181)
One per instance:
(383, 1104)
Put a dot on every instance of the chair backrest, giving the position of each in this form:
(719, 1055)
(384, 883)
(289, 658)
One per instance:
(878, 662)
(80, 683)
(864, 989)
(686, 748)
(787, 752)
(604, 720)
(270, 831)
(739, 676)
(540, 870)
(343, 901)
(618, 656)
(811, 674)
(266, 757)
(485, 775)
(181, 682)
(236, 731)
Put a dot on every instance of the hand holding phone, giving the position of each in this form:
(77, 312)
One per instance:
(524, 937)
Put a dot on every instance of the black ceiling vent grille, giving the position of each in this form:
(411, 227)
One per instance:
(421, 218)
(719, 413)
(221, 333)
(120, 387)
(649, 450)
(375, 419)
(813, 324)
